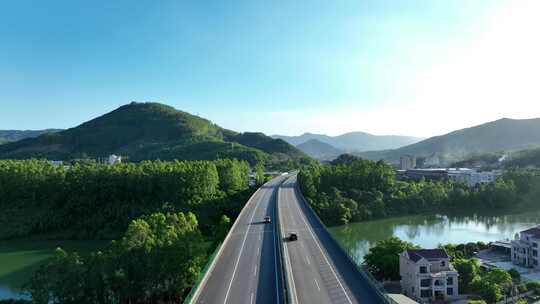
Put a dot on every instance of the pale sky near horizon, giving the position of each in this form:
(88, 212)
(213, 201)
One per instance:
(418, 67)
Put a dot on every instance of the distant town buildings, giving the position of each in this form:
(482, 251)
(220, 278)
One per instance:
(427, 274)
(114, 159)
(470, 177)
(407, 162)
(525, 248)
(56, 162)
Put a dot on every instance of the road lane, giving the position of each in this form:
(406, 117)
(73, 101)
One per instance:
(247, 270)
(321, 272)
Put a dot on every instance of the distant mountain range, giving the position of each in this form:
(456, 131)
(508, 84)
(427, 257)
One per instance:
(346, 143)
(15, 135)
(319, 150)
(153, 131)
(500, 135)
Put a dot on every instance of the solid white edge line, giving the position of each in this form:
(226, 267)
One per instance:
(319, 246)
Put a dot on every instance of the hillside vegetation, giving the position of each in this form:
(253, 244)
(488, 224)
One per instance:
(501, 135)
(167, 217)
(144, 131)
(351, 190)
(89, 200)
(319, 150)
(15, 135)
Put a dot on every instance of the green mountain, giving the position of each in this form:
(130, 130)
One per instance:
(319, 150)
(153, 131)
(523, 158)
(15, 135)
(501, 135)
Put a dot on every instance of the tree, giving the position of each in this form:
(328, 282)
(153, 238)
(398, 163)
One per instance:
(498, 276)
(157, 260)
(259, 174)
(492, 285)
(383, 259)
(468, 271)
(222, 229)
(516, 276)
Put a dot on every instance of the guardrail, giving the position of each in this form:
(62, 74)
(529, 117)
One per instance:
(376, 285)
(195, 287)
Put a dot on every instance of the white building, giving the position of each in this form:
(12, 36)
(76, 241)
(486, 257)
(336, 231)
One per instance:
(407, 162)
(472, 177)
(114, 159)
(426, 274)
(57, 163)
(525, 248)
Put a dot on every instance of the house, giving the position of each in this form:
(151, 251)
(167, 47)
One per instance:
(525, 248)
(426, 274)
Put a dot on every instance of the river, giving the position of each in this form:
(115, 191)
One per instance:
(428, 231)
(18, 259)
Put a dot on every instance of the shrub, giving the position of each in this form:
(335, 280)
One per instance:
(535, 286)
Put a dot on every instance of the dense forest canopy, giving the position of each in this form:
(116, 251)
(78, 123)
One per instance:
(166, 217)
(353, 189)
(157, 260)
(90, 200)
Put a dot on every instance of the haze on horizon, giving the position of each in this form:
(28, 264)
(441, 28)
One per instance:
(420, 68)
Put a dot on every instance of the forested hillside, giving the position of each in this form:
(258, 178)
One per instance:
(15, 135)
(319, 150)
(143, 131)
(501, 135)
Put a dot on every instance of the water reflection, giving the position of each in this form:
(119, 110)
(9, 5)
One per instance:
(428, 231)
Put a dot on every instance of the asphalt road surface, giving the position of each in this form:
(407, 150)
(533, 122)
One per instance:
(248, 269)
(320, 270)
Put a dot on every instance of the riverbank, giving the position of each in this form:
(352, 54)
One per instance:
(430, 230)
(19, 258)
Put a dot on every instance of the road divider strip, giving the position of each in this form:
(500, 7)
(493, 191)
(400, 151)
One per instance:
(288, 280)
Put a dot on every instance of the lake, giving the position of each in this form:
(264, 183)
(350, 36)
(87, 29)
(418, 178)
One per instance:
(19, 259)
(428, 231)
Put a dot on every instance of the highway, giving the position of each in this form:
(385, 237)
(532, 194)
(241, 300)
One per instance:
(319, 270)
(247, 269)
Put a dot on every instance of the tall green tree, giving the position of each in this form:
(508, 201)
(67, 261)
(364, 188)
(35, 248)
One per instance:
(383, 259)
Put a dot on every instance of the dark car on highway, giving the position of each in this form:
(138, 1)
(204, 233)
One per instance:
(293, 236)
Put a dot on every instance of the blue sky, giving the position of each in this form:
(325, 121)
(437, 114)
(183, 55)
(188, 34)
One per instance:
(272, 66)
